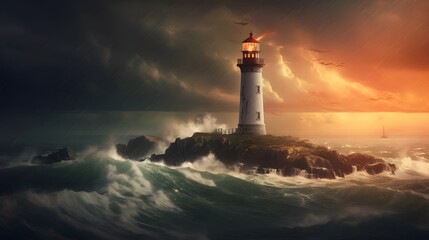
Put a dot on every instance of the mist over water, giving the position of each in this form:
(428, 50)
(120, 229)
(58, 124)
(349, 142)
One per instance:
(103, 196)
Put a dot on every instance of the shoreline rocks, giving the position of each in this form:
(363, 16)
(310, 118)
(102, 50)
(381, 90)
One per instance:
(137, 148)
(64, 154)
(287, 156)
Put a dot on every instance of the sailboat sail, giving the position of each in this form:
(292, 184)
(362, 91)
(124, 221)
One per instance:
(384, 134)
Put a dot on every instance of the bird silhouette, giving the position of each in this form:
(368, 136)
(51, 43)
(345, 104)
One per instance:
(241, 23)
(320, 61)
(331, 64)
(317, 50)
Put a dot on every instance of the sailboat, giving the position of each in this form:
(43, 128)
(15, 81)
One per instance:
(384, 134)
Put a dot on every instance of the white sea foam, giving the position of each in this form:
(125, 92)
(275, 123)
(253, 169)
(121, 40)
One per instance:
(351, 215)
(408, 167)
(106, 152)
(201, 123)
(131, 182)
(195, 176)
(207, 163)
(163, 202)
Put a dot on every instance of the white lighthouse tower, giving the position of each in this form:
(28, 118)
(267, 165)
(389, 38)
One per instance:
(251, 115)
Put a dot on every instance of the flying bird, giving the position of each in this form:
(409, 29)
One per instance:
(241, 23)
(388, 98)
(331, 64)
(320, 61)
(317, 50)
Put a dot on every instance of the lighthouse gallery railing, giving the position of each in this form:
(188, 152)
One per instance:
(250, 61)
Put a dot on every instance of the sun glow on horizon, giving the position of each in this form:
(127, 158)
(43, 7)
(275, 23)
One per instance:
(348, 123)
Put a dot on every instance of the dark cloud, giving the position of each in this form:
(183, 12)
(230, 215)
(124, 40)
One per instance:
(170, 55)
(127, 55)
(78, 55)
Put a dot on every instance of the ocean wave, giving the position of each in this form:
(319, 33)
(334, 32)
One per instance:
(102, 196)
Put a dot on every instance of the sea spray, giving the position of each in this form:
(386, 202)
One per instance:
(101, 196)
(200, 123)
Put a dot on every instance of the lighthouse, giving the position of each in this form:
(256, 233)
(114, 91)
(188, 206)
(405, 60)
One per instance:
(251, 115)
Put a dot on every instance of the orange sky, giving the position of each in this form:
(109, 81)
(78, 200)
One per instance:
(377, 60)
(317, 124)
(348, 72)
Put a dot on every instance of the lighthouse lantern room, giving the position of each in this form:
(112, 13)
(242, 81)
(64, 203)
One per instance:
(251, 115)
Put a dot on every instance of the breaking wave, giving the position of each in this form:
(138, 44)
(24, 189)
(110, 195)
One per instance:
(102, 196)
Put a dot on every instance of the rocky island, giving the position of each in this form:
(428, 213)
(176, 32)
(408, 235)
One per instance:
(248, 147)
(287, 156)
(63, 154)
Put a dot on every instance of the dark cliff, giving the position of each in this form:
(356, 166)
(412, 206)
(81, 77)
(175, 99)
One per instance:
(64, 154)
(285, 155)
(136, 148)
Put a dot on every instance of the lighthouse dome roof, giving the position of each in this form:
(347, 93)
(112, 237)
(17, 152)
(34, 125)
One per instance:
(251, 39)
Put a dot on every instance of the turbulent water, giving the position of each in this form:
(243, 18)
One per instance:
(101, 196)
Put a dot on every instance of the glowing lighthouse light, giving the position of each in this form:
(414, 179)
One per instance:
(251, 115)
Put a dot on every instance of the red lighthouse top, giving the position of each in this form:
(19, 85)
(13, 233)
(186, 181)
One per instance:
(250, 44)
(251, 39)
(250, 61)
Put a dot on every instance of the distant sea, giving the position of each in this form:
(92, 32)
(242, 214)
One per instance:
(102, 196)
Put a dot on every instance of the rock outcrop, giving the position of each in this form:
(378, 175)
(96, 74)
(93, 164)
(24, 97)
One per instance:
(64, 154)
(287, 156)
(136, 148)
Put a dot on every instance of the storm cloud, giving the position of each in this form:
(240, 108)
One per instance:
(180, 56)
(110, 56)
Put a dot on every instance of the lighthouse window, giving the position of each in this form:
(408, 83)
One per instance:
(258, 89)
(258, 115)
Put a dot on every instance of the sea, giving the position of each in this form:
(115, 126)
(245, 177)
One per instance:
(103, 196)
